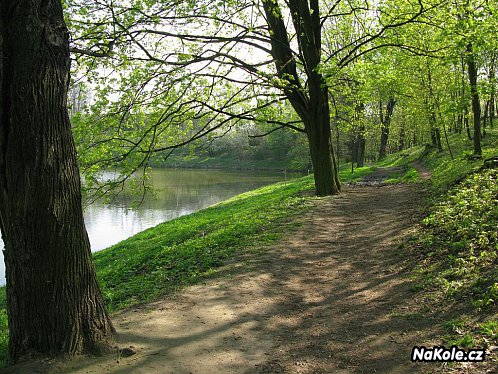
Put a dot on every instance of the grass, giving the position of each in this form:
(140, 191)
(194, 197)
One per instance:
(407, 174)
(404, 158)
(458, 244)
(4, 331)
(404, 161)
(180, 252)
(357, 175)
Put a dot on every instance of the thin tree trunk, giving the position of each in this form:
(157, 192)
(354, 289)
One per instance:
(360, 137)
(54, 302)
(435, 133)
(385, 120)
(444, 127)
(467, 125)
(360, 147)
(464, 99)
(491, 110)
(402, 137)
(492, 83)
(476, 105)
(432, 102)
(485, 118)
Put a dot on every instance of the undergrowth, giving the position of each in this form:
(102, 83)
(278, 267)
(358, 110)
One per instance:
(463, 229)
(459, 243)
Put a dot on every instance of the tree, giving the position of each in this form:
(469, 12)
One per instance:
(476, 102)
(311, 103)
(248, 56)
(473, 25)
(54, 303)
(424, 67)
(385, 121)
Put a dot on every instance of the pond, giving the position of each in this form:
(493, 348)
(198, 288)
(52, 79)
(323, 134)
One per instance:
(177, 192)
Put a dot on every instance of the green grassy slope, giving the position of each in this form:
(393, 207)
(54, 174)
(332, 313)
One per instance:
(458, 245)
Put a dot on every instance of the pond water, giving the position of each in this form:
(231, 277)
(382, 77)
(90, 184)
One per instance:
(177, 192)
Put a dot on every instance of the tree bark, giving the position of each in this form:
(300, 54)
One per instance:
(385, 120)
(54, 303)
(466, 123)
(360, 141)
(322, 157)
(464, 99)
(491, 110)
(402, 137)
(431, 103)
(492, 83)
(476, 105)
(459, 124)
(485, 118)
(309, 101)
(361, 145)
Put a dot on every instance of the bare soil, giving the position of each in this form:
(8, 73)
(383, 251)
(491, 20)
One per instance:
(335, 296)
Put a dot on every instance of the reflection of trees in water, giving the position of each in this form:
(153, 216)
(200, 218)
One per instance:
(180, 187)
(176, 193)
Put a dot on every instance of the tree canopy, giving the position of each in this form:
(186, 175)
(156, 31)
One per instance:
(165, 74)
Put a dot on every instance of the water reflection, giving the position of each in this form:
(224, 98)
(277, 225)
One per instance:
(178, 192)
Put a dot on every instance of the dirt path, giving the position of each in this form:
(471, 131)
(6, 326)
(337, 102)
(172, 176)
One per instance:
(334, 297)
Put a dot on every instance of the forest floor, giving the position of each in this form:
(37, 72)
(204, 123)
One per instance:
(334, 296)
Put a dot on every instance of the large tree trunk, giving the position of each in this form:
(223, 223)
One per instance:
(311, 102)
(322, 155)
(54, 302)
(476, 105)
